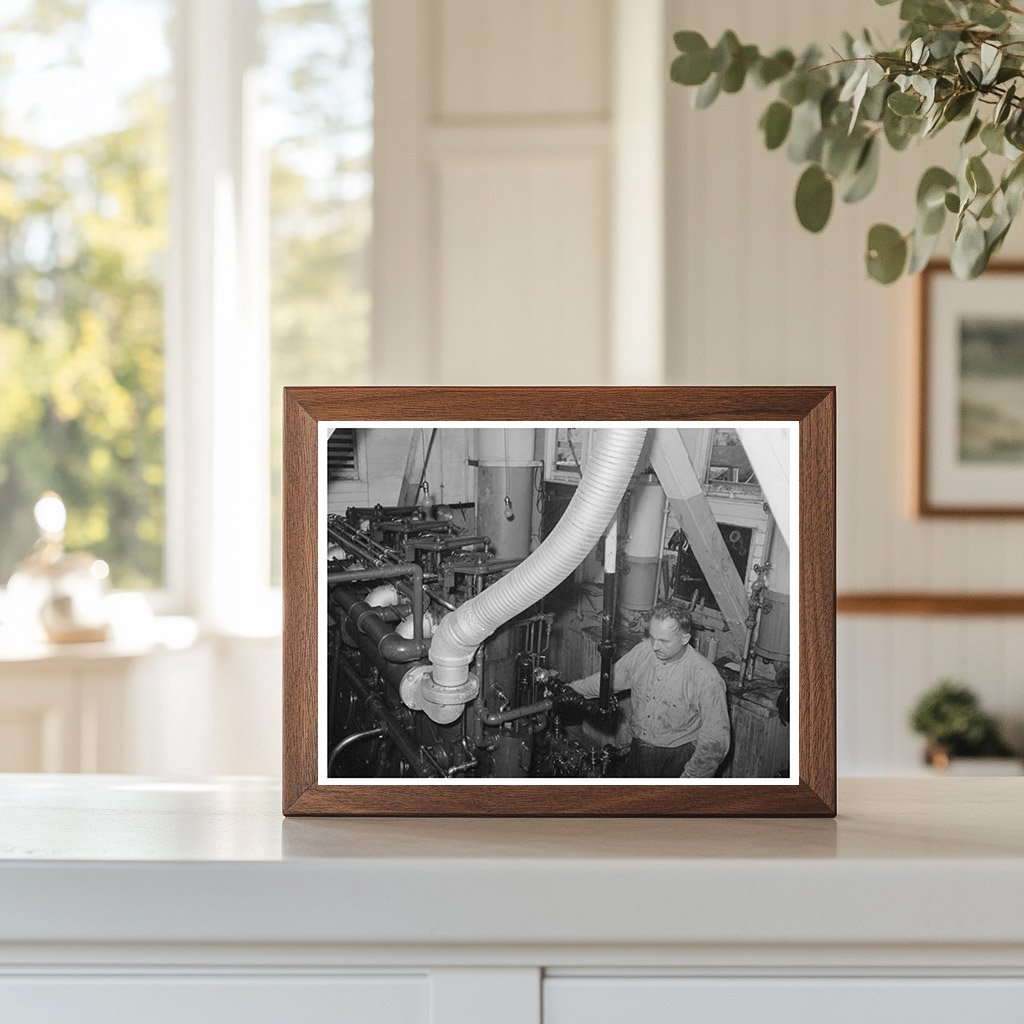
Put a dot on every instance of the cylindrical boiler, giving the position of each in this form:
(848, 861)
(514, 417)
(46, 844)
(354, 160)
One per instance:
(639, 584)
(505, 468)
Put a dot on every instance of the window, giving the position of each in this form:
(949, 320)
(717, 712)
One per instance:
(83, 239)
(185, 224)
(730, 474)
(343, 455)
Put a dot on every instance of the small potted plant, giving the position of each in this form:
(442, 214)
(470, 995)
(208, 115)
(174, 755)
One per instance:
(950, 717)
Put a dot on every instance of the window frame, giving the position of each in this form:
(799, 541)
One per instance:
(217, 351)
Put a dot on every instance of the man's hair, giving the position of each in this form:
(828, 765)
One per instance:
(676, 610)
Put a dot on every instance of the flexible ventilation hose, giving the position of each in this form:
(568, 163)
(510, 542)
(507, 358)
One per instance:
(609, 470)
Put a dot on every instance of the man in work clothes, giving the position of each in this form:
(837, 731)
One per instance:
(678, 715)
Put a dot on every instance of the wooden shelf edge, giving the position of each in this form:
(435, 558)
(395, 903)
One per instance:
(914, 603)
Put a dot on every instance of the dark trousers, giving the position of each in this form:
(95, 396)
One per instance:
(650, 762)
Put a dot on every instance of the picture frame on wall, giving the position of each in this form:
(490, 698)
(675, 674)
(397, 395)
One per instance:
(970, 417)
(469, 630)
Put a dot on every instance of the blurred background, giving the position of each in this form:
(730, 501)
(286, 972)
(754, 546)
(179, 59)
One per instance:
(202, 201)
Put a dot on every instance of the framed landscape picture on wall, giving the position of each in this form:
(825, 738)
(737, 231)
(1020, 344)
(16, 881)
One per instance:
(970, 451)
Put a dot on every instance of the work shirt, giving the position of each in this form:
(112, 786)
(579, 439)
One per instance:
(673, 702)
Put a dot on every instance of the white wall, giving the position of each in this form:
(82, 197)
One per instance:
(505, 139)
(752, 298)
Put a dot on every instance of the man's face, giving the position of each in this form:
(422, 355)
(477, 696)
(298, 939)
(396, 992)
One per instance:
(667, 639)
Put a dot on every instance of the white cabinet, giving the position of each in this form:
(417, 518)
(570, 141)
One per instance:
(132, 898)
(825, 1000)
(205, 999)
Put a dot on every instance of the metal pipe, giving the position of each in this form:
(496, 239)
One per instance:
(609, 471)
(349, 740)
(360, 512)
(406, 569)
(479, 703)
(661, 552)
(382, 638)
(606, 701)
(375, 705)
(447, 543)
(501, 717)
(375, 555)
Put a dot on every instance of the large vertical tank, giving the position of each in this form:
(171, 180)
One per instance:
(505, 466)
(639, 584)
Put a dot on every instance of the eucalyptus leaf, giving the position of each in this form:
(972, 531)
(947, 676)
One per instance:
(805, 133)
(794, 88)
(978, 176)
(931, 190)
(900, 130)
(707, 93)
(987, 15)
(840, 152)
(993, 138)
(1005, 104)
(725, 50)
(932, 221)
(775, 124)
(958, 105)
(735, 74)
(865, 173)
(1013, 187)
(922, 248)
(991, 60)
(952, 202)
(1014, 191)
(904, 103)
(973, 129)
(968, 247)
(873, 106)
(886, 253)
(995, 233)
(828, 104)
(933, 122)
(814, 195)
(771, 69)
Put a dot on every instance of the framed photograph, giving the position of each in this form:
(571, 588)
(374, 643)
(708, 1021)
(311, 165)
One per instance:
(645, 627)
(970, 450)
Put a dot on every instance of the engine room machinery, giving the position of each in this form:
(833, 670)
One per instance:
(439, 645)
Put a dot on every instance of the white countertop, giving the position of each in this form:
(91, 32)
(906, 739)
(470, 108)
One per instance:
(121, 859)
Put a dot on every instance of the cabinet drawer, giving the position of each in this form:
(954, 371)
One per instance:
(569, 1000)
(223, 999)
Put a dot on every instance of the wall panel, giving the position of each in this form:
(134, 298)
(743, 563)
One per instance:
(531, 58)
(522, 284)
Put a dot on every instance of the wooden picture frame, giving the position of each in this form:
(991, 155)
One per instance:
(966, 463)
(808, 413)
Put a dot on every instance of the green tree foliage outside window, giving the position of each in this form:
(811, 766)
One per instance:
(318, 123)
(83, 216)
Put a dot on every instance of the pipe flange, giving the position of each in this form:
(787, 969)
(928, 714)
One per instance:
(438, 693)
(441, 704)
(411, 687)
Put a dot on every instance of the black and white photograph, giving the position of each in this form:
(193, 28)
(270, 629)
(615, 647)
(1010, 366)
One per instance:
(529, 602)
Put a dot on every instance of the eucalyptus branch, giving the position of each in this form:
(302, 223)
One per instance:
(834, 116)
